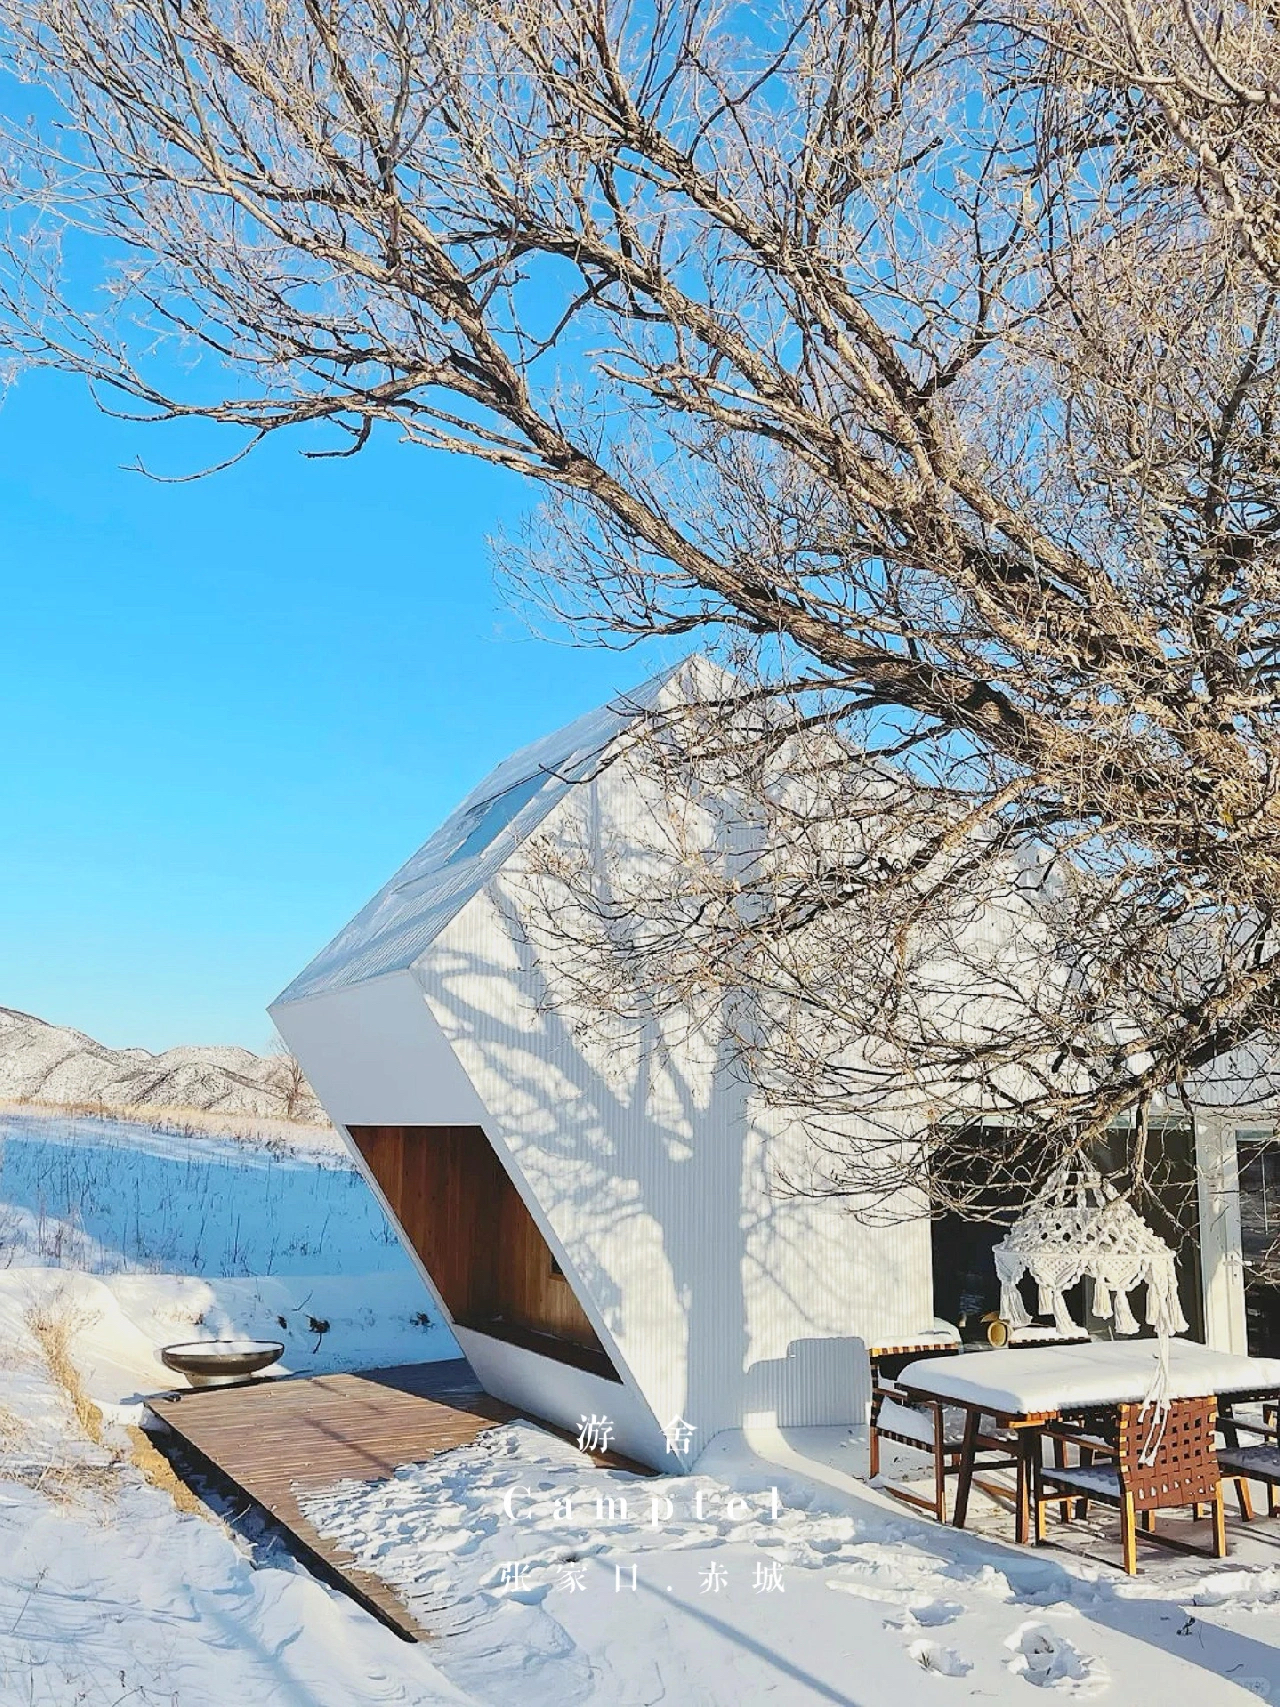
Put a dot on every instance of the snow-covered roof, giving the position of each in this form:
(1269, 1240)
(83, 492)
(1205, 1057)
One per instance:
(469, 848)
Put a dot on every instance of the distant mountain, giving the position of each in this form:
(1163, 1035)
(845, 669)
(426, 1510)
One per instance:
(50, 1063)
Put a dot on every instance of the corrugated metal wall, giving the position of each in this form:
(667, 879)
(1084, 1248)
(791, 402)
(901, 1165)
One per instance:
(656, 1170)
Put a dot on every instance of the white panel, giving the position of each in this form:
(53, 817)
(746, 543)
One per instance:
(650, 1169)
(1222, 1272)
(376, 1057)
(561, 1394)
(654, 1172)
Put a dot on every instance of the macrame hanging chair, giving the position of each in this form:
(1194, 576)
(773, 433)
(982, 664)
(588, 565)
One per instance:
(1079, 1226)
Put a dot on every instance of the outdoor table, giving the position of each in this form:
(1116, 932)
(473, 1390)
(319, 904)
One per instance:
(1022, 1390)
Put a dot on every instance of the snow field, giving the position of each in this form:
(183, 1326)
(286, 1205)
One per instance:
(542, 1594)
(107, 1197)
(109, 1595)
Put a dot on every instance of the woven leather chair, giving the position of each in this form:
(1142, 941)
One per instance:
(1183, 1472)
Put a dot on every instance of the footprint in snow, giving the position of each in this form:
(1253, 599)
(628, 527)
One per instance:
(1049, 1661)
(926, 1615)
(905, 1582)
(527, 1593)
(932, 1656)
(1251, 1589)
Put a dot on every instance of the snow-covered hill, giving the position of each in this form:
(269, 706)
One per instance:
(50, 1063)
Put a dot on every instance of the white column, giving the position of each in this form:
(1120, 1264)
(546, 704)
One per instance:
(1221, 1262)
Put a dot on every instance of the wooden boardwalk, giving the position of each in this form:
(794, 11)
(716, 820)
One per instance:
(278, 1438)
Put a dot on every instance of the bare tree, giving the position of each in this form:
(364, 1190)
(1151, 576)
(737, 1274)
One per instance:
(299, 1100)
(945, 1000)
(1205, 77)
(923, 354)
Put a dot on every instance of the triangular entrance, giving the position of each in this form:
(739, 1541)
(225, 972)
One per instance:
(458, 1209)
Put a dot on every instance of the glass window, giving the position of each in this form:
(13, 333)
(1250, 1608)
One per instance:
(485, 820)
(1259, 1158)
(965, 1287)
(1171, 1207)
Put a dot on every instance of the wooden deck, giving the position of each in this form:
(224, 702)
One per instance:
(277, 1438)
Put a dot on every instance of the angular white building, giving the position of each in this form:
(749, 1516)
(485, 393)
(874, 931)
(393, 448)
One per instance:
(600, 1226)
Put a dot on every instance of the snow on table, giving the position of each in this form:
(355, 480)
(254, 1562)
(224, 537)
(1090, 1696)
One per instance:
(1046, 1379)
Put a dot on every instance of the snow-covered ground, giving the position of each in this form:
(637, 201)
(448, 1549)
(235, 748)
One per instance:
(107, 1195)
(712, 1592)
(709, 1590)
(114, 1240)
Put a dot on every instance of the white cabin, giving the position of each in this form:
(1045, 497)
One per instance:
(601, 1236)
(601, 1227)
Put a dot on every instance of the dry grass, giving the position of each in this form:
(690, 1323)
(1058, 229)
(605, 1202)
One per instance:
(54, 1323)
(65, 1480)
(64, 1477)
(157, 1470)
(185, 1122)
(71, 1481)
(15, 1355)
(13, 1431)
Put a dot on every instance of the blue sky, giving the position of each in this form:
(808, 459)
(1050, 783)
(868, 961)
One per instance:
(232, 707)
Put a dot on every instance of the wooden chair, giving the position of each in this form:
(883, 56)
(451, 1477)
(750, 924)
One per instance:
(1183, 1472)
(1092, 1433)
(937, 1430)
(1258, 1462)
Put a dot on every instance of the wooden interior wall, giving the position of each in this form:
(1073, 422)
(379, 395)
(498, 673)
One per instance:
(460, 1211)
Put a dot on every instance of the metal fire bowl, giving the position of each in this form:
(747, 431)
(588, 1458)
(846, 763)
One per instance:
(208, 1363)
